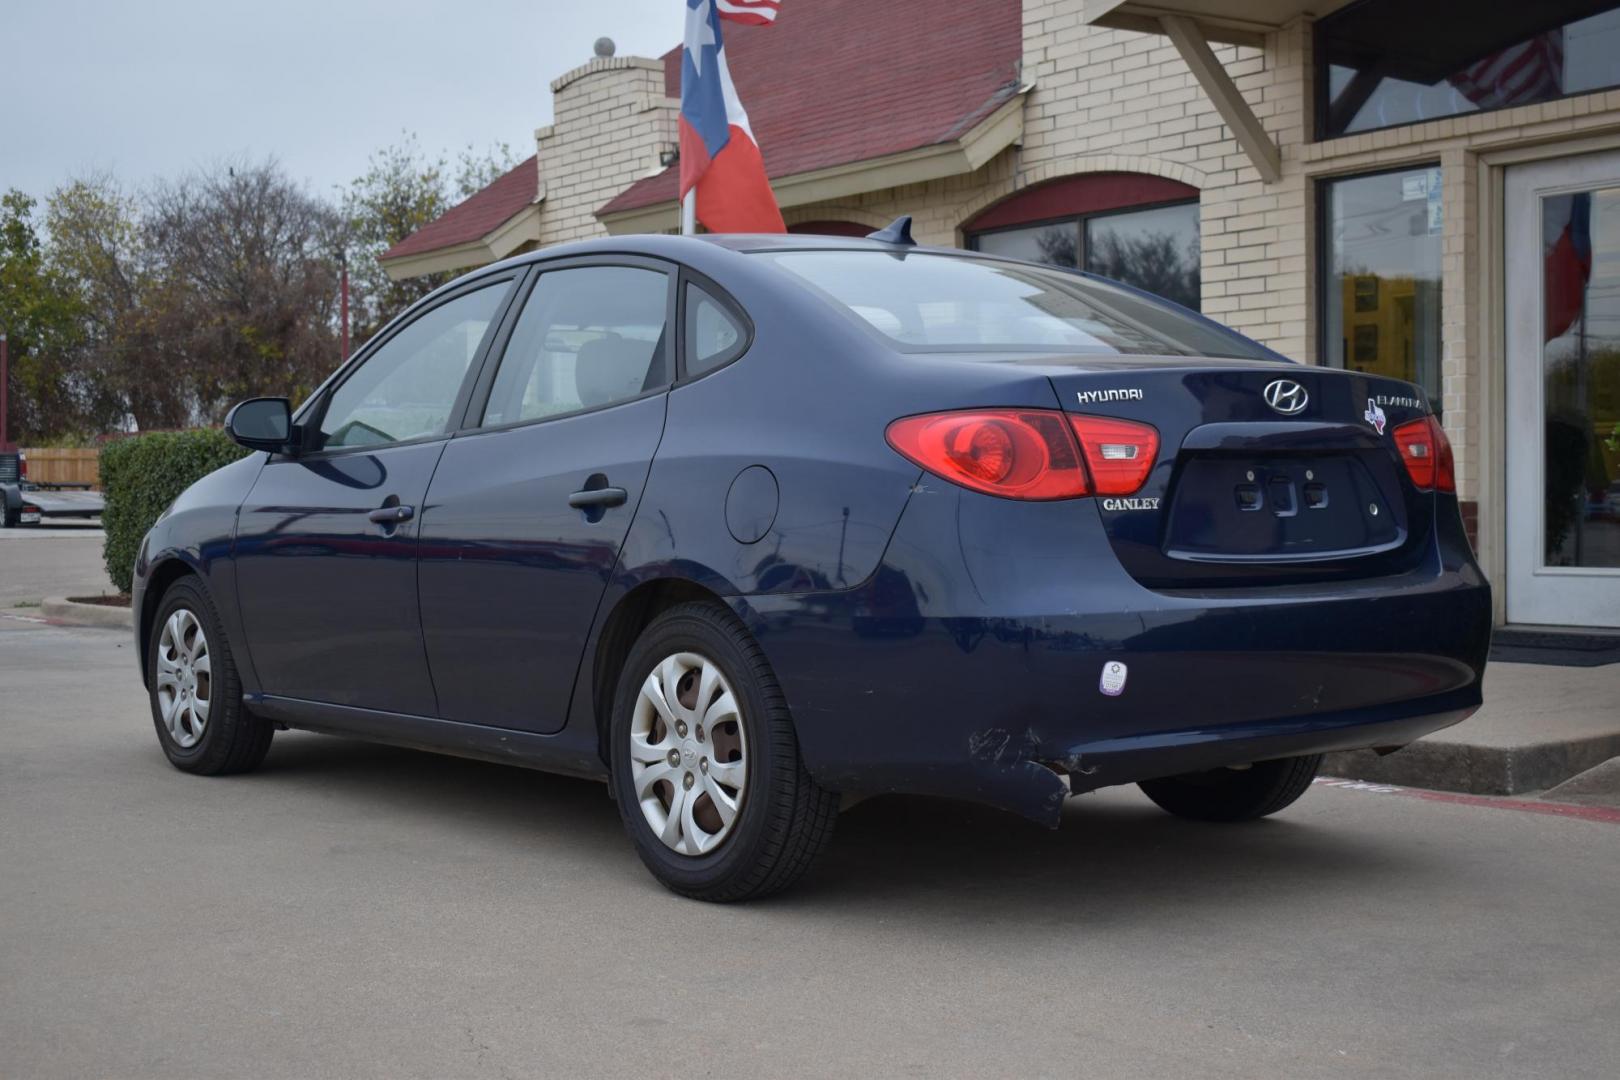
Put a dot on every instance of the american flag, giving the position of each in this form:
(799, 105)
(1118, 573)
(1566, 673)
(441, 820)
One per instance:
(750, 12)
(1524, 73)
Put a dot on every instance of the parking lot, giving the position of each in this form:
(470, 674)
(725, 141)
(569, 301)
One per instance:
(362, 911)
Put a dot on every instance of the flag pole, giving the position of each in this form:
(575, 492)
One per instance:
(689, 213)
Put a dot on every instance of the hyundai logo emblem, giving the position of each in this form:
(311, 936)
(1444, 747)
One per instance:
(1286, 396)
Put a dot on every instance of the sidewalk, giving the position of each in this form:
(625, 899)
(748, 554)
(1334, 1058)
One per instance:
(1539, 726)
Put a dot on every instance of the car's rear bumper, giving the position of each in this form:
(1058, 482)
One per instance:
(967, 672)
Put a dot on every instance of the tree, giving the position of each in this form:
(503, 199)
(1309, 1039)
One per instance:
(401, 191)
(217, 287)
(244, 285)
(96, 244)
(41, 314)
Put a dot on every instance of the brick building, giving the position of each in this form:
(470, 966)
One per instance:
(1428, 189)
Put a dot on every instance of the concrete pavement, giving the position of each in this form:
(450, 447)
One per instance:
(362, 911)
(53, 560)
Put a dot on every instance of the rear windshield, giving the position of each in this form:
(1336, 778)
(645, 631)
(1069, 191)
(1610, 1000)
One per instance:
(929, 302)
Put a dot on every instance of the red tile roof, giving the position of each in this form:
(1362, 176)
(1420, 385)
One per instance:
(839, 81)
(476, 216)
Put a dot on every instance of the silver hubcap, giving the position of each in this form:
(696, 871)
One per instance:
(184, 684)
(688, 754)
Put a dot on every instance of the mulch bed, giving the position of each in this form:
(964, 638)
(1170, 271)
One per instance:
(107, 600)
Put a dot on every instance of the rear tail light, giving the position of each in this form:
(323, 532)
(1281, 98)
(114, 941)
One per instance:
(1034, 454)
(1119, 453)
(1426, 453)
(22, 465)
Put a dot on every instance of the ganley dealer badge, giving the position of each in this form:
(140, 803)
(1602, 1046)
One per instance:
(1112, 682)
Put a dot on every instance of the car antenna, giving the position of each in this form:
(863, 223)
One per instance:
(897, 231)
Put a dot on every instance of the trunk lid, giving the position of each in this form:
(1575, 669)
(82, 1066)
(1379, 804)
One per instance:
(1305, 486)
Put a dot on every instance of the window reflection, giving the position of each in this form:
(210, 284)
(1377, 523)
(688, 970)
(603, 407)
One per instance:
(1381, 296)
(1154, 249)
(1580, 253)
(1388, 63)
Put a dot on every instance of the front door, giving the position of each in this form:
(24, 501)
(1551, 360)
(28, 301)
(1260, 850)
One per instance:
(326, 542)
(526, 513)
(1563, 391)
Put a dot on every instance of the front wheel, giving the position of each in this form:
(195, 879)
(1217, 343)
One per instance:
(196, 695)
(1235, 794)
(705, 762)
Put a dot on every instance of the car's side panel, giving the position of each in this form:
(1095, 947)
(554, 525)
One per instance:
(510, 574)
(328, 593)
(773, 476)
(199, 531)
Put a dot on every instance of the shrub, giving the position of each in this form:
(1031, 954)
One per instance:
(141, 476)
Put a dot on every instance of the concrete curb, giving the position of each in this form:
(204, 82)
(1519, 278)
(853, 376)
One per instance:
(1477, 770)
(62, 610)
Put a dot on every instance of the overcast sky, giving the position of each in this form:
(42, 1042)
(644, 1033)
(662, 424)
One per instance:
(158, 88)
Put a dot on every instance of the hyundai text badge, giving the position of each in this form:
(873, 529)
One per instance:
(1286, 396)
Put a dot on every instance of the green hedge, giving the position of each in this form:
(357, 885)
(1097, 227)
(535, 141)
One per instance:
(141, 476)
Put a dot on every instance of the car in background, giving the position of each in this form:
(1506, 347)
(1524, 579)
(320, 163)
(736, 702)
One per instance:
(744, 525)
(25, 502)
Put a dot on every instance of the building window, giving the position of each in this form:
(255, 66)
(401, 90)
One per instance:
(1381, 63)
(1381, 282)
(1142, 230)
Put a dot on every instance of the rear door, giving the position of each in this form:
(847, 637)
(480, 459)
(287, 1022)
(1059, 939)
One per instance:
(326, 542)
(528, 509)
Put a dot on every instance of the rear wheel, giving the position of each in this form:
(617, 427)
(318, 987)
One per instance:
(705, 762)
(1235, 794)
(195, 692)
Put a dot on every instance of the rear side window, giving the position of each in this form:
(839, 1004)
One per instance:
(406, 389)
(588, 336)
(713, 337)
(929, 302)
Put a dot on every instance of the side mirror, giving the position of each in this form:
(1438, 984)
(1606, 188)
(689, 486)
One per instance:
(262, 424)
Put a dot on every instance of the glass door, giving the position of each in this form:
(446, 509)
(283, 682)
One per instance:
(1563, 391)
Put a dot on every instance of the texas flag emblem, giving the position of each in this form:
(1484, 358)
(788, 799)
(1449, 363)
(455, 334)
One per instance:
(1375, 416)
(719, 156)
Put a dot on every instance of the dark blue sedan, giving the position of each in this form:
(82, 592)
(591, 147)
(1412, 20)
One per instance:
(747, 525)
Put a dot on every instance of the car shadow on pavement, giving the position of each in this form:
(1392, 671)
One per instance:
(1114, 859)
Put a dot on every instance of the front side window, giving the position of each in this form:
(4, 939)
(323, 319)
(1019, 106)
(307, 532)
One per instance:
(1381, 296)
(589, 336)
(1155, 249)
(407, 388)
(1384, 62)
(929, 302)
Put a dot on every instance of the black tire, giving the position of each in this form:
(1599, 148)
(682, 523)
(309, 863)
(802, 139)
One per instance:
(1235, 794)
(784, 818)
(232, 739)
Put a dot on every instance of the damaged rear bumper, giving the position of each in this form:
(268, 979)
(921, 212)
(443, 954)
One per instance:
(1020, 773)
(1013, 678)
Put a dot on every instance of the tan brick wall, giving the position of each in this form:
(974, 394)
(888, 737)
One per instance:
(610, 121)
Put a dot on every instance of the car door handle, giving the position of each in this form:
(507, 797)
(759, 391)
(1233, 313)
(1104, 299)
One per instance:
(608, 496)
(392, 515)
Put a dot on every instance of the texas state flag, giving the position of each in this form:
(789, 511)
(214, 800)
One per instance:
(719, 156)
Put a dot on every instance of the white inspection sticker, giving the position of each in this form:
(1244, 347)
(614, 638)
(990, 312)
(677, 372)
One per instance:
(1112, 682)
